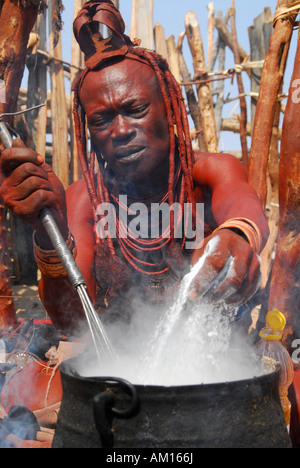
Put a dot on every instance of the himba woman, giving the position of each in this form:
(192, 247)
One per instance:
(132, 108)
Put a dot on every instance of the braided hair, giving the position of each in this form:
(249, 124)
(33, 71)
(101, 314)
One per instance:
(113, 270)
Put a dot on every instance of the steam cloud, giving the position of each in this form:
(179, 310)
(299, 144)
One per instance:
(186, 344)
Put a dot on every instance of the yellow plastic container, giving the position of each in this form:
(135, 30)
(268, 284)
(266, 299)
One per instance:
(270, 346)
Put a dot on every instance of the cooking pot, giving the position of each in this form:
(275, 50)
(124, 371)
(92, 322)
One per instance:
(109, 412)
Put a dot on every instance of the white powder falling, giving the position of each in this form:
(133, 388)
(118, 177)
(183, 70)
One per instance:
(187, 344)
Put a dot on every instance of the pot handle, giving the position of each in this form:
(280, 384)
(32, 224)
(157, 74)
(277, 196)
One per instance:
(103, 404)
(105, 410)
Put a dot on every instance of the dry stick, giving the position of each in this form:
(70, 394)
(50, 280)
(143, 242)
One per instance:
(150, 23)
(218, 52)
(272, 179)
(134, 28)
(285, 291)
(115, 2)
(271, 82)
(208, 80)
(78, 62)
(160, 41)
(259, 37)
(205, 99)
(273, 202)
(60, 161)
(211, 25)
(37, 91)
(173, 58)
(143, 23)
(214, 55)
(227, 37)
(232, 124)
(220, 88)
(190, 95)
(243, 104)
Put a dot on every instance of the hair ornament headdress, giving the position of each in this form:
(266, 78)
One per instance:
(87, 31)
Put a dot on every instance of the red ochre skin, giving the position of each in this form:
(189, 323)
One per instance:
(125, 115)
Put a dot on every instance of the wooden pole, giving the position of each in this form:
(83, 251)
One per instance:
(243, 103)
(41, 135)
(173, 57)
(160, 41)
(205, 99)
(78, 61)
(285, 286)
(150, 24)
(273, 202)
(16, 23)
(142, 23)
(37, 89)
(191, 97)
(271, 82)
(60, 162)
(134, 16)
(227, 37)
(211, 26)
(259, 37)
(232, 124)
(219, 90)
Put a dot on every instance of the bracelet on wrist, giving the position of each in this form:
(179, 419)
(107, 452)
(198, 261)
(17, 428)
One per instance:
(48, 261)
(248, 228)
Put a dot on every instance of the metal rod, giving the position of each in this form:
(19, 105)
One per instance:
(101, 341)
(12, 114)
(96, 327)
(61, 248)
(5, 135)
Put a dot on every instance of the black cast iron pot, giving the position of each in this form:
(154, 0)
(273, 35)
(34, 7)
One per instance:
(113, 413)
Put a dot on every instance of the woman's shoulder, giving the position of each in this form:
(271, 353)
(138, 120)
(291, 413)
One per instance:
(78, 199)
(210, 168)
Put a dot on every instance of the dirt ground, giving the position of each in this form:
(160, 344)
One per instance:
(28, 304)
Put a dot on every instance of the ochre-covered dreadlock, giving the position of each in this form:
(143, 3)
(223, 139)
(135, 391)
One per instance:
(112, 272)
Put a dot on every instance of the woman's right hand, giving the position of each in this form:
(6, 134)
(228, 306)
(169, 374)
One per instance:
(27, 185)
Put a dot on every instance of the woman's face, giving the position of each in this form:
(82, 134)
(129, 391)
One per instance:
(127, 118)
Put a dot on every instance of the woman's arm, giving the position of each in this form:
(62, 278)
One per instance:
(232, 196)
(57, 294)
